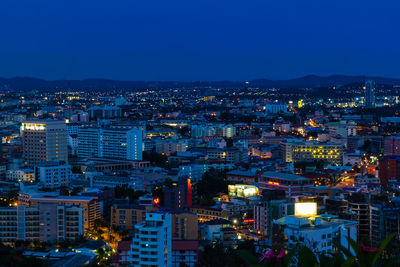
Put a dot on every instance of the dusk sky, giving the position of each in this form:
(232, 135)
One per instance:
(198, 40)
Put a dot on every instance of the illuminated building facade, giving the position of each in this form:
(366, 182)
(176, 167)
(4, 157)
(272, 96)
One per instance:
(295, 150)
(242, 190)
(44, 140)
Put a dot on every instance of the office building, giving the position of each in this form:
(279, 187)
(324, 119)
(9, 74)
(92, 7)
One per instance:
(151, 244)
(44, 140)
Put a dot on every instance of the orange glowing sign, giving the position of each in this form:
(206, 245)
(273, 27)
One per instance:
(156, 202)
(273, 183)
(248, 221)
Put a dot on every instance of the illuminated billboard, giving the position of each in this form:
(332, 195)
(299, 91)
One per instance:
(305, 209)
(242, 190)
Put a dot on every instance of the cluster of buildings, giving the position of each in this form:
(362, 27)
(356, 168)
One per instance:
(279, 172)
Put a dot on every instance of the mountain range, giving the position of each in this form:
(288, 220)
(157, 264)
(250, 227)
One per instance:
(309, 81)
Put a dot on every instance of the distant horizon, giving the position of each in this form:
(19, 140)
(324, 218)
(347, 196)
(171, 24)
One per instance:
(197, 80)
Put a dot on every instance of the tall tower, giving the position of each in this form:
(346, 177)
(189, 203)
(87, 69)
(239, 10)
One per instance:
(44, 140)
(370, 94)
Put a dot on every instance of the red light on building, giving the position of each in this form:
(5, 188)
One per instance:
(189, 193)
(248, 221)
(156, 202)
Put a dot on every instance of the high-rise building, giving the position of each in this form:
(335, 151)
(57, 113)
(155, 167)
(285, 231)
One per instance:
(53, 174)
(370, 94)
(44, 140)
(88, 142)
(111, 142)
(152, 242)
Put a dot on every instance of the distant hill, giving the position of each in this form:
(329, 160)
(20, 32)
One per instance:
(311, 81)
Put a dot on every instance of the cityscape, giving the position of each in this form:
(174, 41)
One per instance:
(211, 134)
(173, 177)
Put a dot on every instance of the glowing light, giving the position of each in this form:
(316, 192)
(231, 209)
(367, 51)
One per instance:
(156, 202)
(305, 209)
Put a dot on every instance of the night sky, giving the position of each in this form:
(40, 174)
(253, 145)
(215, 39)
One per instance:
(198, 39)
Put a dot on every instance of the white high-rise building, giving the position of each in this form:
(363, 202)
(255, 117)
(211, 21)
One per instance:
(152, 241)
(44, 140)
(111, 142)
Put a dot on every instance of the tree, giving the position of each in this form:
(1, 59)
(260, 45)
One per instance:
(212, 182)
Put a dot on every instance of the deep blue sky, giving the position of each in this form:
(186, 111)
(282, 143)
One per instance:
(198, 39)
